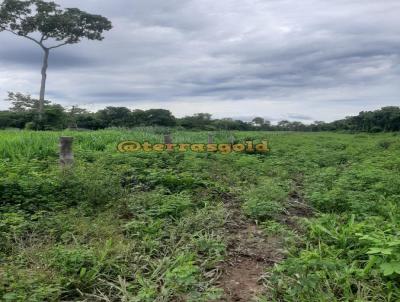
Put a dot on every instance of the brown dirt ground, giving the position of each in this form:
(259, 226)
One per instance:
(251, 251)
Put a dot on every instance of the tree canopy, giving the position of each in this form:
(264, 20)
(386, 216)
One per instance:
(68, 26)
(23, 107)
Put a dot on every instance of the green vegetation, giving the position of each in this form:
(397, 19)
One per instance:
(23, 114)
(152, 226)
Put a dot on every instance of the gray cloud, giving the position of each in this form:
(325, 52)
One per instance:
(300, 117)
(32, 57)
(320, 59)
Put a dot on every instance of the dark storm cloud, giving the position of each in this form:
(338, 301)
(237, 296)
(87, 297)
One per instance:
(320, 59)
(20, 56)
(25, 53)
(300, 117)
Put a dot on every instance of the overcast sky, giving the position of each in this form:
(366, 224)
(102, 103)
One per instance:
(280, 59)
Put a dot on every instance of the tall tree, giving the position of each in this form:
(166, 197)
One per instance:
(159, 117)
(258, 121)
(114, 116)
(23, 103)
(50, 27)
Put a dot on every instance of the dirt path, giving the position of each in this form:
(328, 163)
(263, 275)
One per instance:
(251, 251)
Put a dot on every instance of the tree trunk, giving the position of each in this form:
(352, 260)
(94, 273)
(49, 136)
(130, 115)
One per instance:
(43, 83)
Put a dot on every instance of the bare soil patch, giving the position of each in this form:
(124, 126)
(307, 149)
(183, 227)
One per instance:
(250, 252)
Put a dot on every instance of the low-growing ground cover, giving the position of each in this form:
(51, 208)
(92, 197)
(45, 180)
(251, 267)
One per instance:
(315, 219)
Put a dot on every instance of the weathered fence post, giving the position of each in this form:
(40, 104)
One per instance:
(232, 139)
(210, 139)
(66, 153)
(167, 139)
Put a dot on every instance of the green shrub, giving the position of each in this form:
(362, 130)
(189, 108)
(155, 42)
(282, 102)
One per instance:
(266, 200)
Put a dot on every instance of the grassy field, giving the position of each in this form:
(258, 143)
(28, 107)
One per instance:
(315, 219)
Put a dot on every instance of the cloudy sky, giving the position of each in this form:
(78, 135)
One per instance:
(280, 59)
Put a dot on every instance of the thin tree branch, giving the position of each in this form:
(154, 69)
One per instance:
(40, 43)
(44, 38)
(32, 39)
(59, 45)
(27, 37)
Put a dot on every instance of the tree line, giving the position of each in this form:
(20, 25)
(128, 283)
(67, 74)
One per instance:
(23, 114)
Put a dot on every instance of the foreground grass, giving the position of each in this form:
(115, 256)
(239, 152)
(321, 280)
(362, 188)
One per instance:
(151, 227)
